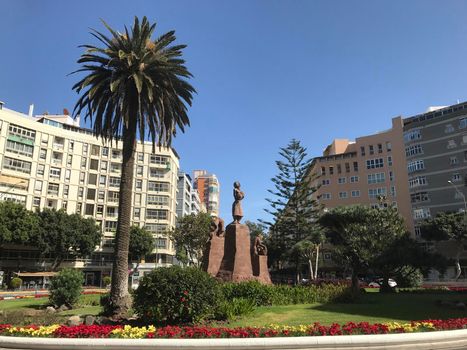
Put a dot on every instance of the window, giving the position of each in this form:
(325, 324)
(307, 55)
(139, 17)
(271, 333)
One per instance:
(94, 164)
(66, 190)
(419, 197)
(342, 194)
(69, 160)
(448, 128)
(45, 140)
(38, 187)
(40, 169)
(83, 162)
(36, 201)
(156, 228)
(102, 180)
(325, 182)
(79, 207)
(331, 170)
(138, 198)
(22, 133)
(371, 150)
(42, 154)
(158, 214)
(412, 135)
(355, 193)
(137, 213)
(11, 197)
(354, 179)
(92, 179)
(388, 146)
(112, 212)
(380, 148)
(116, 154)
(95, 149)
(91, 195)
(71, 145)
(55, 172)
(158, 160)
(158, 186)
(362, 150)
(85, 149)
(52, 189)
(89, 209)
(115, 168)
(82, 177)
(453, 160)
(393, 191)
(161, 243)
(110, 226)
(462, 123)
(342, 180)
(157, 173)
(157, 200)
(64, 205)
(391, 176)
(140, 157)
(374, 163)
(376, 192)
(80, 192)
(99, 210)
(323, 170)
(17, 165)
(326, 196)
(415, 165)
(347, 167)
(19, 148)
(422, 213)
(113, 196)
(389, 160)
(101, 196)
(355, 166)
(339, 169)
(105, 152)
(139, 185)
(376, 178)
(139, 170)
(456, 177)
(104, 165)
(451, 144)
(413, 150)
(114, 181)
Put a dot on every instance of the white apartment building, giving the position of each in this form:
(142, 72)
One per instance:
(188, 201)
(47, 161)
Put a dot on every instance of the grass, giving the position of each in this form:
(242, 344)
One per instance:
(373, 307)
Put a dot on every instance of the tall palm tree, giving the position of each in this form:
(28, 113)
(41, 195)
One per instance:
(133, 87)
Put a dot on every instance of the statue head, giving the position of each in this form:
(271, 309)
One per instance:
(236, 184)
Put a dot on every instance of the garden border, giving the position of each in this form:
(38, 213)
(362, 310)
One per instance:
(453, 339)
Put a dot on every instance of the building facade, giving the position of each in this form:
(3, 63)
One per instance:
(188, 201)
(371, 171)
(208, 188)
(47, 162)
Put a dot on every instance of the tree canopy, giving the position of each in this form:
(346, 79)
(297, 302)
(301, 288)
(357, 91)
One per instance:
(17, 224)
(141, 243)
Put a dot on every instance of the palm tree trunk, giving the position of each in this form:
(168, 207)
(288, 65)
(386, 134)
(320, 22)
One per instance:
(317, 259)
(120, 300)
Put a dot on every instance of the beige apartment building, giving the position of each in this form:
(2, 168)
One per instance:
(49, 161)
(364, 170)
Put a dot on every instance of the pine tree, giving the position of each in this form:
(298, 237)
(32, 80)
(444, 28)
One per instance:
(294, 211)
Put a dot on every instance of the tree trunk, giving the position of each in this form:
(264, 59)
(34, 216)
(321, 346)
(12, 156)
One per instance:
(355, 284)
(316, 264)
(310, 264)
(120, 300)
(458, 263)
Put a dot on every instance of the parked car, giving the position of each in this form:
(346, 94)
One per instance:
(379, 282)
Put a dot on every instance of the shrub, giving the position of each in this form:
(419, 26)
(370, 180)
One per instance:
(228, 309)
(65, 287)
(175, 295)
(106, 281)
(104, 301)
(16, 282)
(409, 277)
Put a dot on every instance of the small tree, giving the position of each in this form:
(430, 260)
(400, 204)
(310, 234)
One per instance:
(141, 243)
(17, 224)
(447, 227)
(66, 287)
(190, 237)
(62, 235)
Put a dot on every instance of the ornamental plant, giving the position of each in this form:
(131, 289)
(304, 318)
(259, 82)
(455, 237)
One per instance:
(66, 287)
(16, 282)
(175, 295)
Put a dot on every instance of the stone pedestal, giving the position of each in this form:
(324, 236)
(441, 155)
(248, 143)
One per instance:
(214, 254)
(260, 268)
(236, 263)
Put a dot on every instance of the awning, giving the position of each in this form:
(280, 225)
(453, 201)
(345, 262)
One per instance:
(35, 274)
(14, 181)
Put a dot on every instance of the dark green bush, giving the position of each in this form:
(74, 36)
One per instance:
(65, 287)
(409, 277)
(104, 301)
(176, 295)
(106, 281)
(16, 282)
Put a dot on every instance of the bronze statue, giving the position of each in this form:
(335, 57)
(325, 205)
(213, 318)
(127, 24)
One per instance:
(217, 227)
(259, 247)
(237, 211)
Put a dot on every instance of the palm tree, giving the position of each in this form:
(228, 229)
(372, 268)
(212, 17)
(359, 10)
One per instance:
(134, 87)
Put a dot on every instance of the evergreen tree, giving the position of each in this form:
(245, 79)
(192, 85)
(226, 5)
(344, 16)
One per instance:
(294, 211)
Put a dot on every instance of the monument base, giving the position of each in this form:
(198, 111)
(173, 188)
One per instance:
(213, 255)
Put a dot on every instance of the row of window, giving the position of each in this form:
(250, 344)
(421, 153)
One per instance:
(373, 193)
(377, 163)
(378, 148)
(339, 168)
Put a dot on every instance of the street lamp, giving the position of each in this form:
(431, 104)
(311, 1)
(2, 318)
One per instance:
(459, 270)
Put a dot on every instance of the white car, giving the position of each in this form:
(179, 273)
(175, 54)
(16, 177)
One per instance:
(379, 282)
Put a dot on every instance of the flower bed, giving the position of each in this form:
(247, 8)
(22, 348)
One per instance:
(315, 329)
(45, 294)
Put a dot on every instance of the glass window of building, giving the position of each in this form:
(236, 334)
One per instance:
(95, 149)
(42, 154)
(17, 165)
(104, 165)
(92, 179)
(91, 195)
(66, 190)
(52, 189)
(85, 149)
(89, 209)
(40, 169)
(371, 150)
(94, 164)
(105, 152)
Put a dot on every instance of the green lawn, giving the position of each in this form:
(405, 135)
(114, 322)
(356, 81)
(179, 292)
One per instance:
(373, 307)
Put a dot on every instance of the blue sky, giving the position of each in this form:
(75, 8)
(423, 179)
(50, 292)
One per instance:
(265, 71)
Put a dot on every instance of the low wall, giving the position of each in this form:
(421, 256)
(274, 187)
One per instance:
(456, 339)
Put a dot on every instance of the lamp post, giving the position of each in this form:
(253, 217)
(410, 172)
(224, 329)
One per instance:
(458, 266)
